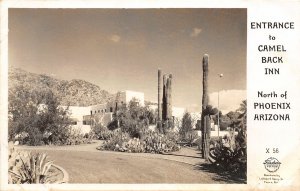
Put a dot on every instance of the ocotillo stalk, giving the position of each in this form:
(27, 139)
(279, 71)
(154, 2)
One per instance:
(205, 119)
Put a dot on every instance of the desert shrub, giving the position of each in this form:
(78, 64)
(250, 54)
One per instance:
(35, 137)
(28, 168)
(229, 154)
(150, 142)
(76, 137)
(113, 125)
(22, 138)
(101, 132)
(116, 140)
(159, 143)
(172, 136)
(133, 145)
(212, 141)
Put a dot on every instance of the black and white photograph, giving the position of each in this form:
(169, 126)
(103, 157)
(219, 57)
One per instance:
(135, 96)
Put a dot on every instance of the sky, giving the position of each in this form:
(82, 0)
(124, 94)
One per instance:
(122, 49)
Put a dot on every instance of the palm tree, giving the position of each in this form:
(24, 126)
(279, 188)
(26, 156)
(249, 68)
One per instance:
(243, 113)
(242, 134)
(243, 107)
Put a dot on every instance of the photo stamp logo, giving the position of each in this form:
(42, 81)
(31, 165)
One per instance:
(272, 164)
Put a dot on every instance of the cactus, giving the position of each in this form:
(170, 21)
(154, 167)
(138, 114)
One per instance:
(159, 96)
(159, 107)
(207, 111)
(204, 118)
(164, 104)
(167, 97)
(167, 101)
(164, 108)
(170, 96)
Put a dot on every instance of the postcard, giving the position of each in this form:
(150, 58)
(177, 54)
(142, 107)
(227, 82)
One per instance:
(150, 95)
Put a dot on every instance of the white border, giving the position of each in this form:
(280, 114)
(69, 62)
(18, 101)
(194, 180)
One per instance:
(251, 6)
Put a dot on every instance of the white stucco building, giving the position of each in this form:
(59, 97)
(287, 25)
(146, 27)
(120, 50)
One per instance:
(124, 97)
(83, 117)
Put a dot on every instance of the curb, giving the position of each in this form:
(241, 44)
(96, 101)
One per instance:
(65, 174)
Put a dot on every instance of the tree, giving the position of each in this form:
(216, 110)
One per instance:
(54, 120)
(243, 107)
(133, 119)
(187, 124)
(233, 116)
(238, 123)
(216, 117)
(243, 113)
(242, 131)
(36, 113)
(224, 122)
(22, 107)
(186, 132)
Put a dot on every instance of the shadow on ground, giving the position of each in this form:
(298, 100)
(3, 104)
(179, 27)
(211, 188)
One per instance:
(181, 155)
(221, 175)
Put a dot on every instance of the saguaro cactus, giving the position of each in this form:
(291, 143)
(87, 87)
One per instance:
(167, 97)
(205, 119)
(207, 110)
(159, 117)
(159, 95)
(167, 100)
(170, 97)
(164, 104)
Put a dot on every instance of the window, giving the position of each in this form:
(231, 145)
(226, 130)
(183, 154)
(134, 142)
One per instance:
(98, 111)
(111, 109)
(87, 122)
(74, 123)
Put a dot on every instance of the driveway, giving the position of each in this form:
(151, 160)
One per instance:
(85, 164)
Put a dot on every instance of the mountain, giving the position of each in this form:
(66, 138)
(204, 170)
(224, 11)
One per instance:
(75, 92)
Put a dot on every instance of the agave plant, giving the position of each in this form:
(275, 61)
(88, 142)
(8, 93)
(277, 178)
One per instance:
(227, 157)
(29, 168)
